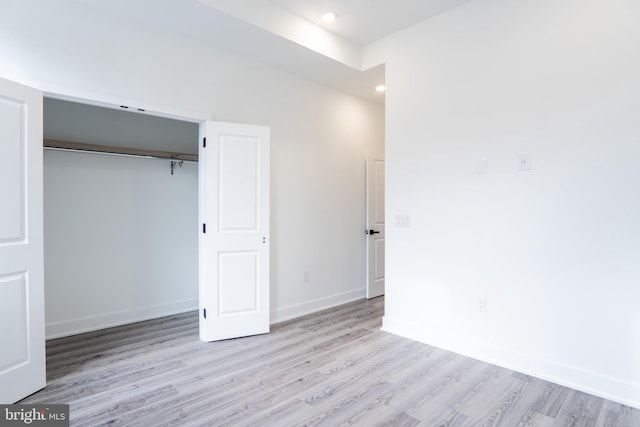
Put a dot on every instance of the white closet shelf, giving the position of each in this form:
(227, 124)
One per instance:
(80, 146)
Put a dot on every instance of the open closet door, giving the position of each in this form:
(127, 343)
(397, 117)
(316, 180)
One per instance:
(234, 235)
(22, 352)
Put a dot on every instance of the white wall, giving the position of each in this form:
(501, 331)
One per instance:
(319, 136)
(555, 249)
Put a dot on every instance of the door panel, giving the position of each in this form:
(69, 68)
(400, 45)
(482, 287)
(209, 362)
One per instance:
(238, 282)
(375, 226)
(15, 349)
(238, 195)
(379, 258)
(22, 353)
(378, 190)
(12, 173)
(234, 250)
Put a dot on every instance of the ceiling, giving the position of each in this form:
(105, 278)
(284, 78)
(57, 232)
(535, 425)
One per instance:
(285, 34)
(365, 21)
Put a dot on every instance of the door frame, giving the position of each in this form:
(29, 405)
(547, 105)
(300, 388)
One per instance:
(122, 104)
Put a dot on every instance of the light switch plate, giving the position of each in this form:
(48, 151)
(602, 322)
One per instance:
(403, 221)
(481, 165)
(524, 162)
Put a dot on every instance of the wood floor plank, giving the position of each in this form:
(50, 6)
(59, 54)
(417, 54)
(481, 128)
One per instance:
(297, 387)
(524, 402)
(618, 415)
(344, 406)
(503, 405)
(551, 399)
(331, 368)
(444, 398)
(535, 419)
(579, 410)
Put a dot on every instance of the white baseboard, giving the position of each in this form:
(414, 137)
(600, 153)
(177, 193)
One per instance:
(298, 310)
(108, 320)
(610, 388)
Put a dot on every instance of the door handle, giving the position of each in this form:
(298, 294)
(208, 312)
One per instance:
(372, 232)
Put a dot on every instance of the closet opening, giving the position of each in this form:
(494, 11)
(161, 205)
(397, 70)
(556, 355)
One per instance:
(120, 216)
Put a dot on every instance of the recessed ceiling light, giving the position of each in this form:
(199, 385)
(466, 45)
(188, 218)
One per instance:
(329, 17)
(381, 88)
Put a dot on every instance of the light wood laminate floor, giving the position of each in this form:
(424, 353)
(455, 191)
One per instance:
(333, 368)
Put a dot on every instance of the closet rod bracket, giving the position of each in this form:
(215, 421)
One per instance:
(175, 163)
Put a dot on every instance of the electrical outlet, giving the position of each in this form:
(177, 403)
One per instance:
(481, 305)
(307, 277)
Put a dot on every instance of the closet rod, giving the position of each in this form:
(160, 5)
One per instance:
(79, 146)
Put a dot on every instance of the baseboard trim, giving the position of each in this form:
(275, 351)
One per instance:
(108, 320)
(610, 388)
(298, 310)
(88, 324)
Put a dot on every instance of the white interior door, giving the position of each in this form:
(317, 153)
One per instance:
(375, 226)
(22, 348)
(234, 239)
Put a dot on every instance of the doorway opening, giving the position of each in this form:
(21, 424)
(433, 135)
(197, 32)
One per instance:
(121, 234)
